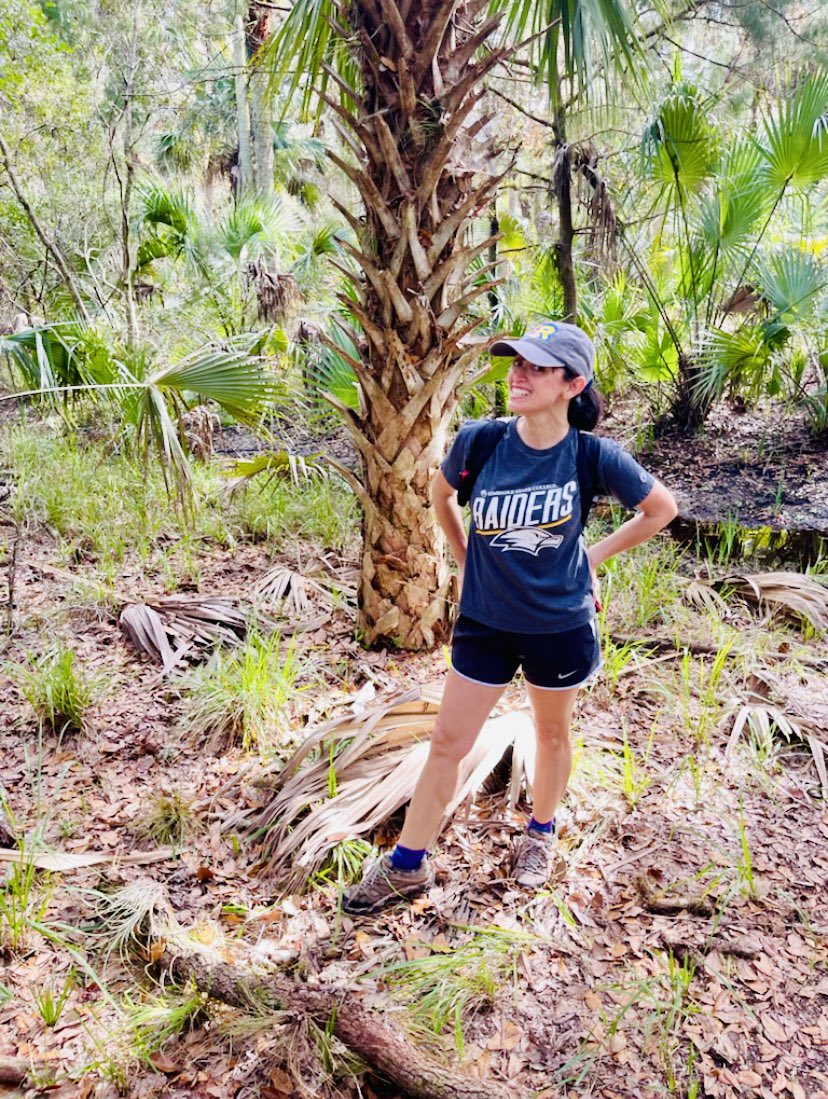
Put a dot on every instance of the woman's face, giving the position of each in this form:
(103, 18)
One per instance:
(535, 388)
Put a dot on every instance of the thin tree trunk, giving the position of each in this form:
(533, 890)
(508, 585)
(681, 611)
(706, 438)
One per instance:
(562, 188)
(245, 169)
(501, 388)
(261, 111)
(49, 244)
(384, 1048)
(128, 264)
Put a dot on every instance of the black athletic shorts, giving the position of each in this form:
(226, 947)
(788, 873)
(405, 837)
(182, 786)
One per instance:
(552, 661)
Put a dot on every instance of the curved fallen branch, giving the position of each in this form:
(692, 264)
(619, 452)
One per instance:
(384, 1048)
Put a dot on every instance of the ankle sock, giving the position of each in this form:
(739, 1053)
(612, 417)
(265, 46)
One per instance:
(547, 829)
(405, 858)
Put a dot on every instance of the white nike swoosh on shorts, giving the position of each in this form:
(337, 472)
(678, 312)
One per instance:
(568, 674)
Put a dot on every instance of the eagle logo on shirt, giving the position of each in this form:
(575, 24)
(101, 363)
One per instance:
(528, 539)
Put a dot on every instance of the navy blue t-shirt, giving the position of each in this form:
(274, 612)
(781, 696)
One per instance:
(526, 566)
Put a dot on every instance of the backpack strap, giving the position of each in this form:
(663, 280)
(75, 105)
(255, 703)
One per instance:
(487, 435)
(589, 481)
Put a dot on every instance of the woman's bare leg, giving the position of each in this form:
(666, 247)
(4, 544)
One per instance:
(463, 712)
(552, 713)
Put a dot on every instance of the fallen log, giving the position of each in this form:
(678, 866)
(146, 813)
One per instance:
(380, 1045)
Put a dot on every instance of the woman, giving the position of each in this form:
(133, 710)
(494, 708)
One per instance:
(529, 592)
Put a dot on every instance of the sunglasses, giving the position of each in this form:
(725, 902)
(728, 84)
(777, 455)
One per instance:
(534, 368)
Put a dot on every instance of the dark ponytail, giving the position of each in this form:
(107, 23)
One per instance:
(586, 409)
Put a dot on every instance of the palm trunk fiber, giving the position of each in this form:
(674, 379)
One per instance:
(385, 1049)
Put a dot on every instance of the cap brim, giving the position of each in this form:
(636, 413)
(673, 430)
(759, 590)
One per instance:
(527, 349)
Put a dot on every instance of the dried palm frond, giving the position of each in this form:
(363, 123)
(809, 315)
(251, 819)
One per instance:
(176, 628)
(790, 594)
(288, 589)
(705, 597)
(349, 776)
(797, 712)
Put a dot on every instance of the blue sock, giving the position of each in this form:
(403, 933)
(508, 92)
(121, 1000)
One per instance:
(404, 858)
(535, 826)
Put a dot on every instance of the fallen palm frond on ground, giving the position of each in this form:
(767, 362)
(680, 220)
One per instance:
(349, 776)
(175, 628)
(794, 711)
(787, 594)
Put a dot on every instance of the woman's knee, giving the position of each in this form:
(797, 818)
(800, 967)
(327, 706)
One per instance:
(552, 735)
(449, 744)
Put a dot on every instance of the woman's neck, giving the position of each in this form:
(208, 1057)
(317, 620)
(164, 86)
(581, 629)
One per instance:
(541, 430)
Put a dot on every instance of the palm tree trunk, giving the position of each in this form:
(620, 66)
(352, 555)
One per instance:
(417, 127)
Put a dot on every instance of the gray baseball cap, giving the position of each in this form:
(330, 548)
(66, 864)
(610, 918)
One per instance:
(553, 343)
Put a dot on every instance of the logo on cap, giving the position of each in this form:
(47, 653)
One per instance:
(543, 331)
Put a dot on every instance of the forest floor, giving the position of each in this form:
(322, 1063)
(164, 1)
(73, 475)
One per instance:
(681, 948)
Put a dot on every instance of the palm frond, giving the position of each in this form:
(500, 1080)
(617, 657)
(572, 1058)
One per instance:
(793, 281)
(173, 629)
(680, 145)
(230, 376)
(796, 712)
(582, 26)
(730, 359)
(351, 774)
(729, 214)
(789, 594)
(795, 145)
(279, 464)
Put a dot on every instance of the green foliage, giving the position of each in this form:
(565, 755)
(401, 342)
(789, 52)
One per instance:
(50, 999)
(244, 694)
(447, 986)
(680, 145)
(59, 690)
(23, 902)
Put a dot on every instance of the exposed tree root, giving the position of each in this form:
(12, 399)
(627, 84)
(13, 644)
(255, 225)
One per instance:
(655, 901)
(384, 1048)
(14, 1070)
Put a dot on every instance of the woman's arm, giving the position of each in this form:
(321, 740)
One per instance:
(655, 511)
(449, 516)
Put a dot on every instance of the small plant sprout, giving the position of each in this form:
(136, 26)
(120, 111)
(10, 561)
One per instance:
(344, 863)
(50, 999)
(635, 778)
(23, 901)
(152, 1022)
(57, 688)
(744, 867)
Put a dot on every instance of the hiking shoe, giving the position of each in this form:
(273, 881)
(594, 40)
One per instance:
(382, 886)
(534, 859)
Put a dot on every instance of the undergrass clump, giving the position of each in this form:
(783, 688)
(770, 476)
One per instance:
(448, 986)
(322, 511)
(169, 819)
(58, 688)
(243, 695)
(24, 900)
